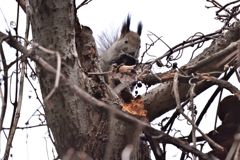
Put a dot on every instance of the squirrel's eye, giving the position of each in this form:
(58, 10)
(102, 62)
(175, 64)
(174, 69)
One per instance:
(126, 41)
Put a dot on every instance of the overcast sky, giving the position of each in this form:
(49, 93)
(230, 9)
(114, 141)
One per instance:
(174, 20)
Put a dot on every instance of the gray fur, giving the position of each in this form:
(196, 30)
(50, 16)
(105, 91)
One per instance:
(111, 48)
(106, 40)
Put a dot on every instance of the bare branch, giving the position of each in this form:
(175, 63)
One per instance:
(149, 45)
(85, 2)
(186, 147)
(192, 107)
(224, 8)
(224, 55)
(19, 102)
(5, 68)
(40, 125)
(188, 43)
(179, 109)
(221, 83)
(216, 57)
(14, 126)
(176, 92)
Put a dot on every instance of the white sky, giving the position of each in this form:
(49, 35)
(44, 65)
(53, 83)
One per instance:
(175, 20)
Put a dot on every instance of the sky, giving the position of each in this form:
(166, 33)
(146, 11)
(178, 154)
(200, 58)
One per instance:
(173, 20)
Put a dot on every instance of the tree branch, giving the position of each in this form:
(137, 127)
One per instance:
(19, 104)
(5, 77)
(221, 83)
(158, 101)
(179, 109)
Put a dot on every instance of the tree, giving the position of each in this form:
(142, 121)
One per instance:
(84, 114)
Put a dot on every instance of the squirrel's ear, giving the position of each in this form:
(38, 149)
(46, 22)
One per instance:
(126, 26)
(139, 29)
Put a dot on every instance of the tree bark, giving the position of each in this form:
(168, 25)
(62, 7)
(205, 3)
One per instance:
(77, 127)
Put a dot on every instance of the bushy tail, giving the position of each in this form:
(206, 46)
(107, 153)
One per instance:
(106, 39)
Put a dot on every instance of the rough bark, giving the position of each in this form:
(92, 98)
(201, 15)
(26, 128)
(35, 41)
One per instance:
(75, 125)
(53, 27)
(160, 100)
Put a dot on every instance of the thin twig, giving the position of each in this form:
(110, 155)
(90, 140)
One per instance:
(176, 91)
(222, 53)
(58, 68)
(155, 75)
(155, 148)
(40, 125)
(149, 46)
(18, 103)
(179, 109)
(15, 61)
(5, 78)
(14, 126)
(219, 100)
(192, 95)
(97, 73)
(15, 103)
(221, 83)
(188, 43)
(35, 90)
(224, 8)
(209, 140)
(85, 2)
(172, 119)
(211, 99)
(1, 95)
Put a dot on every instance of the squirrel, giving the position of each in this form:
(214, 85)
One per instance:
(123, 50)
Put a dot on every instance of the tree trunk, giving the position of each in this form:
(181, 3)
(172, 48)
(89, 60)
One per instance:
(75, 125)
